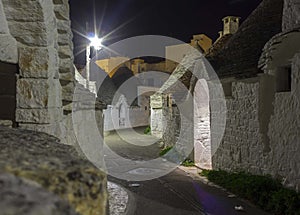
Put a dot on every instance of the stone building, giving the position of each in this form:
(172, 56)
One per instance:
(37, 71)
(39, 93)
(258, 67)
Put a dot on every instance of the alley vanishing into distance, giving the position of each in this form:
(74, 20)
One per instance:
(181, 192)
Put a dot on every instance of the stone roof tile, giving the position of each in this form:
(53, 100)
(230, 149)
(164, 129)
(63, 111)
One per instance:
(240, 56)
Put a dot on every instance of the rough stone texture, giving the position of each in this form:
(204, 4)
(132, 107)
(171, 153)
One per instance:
(37, 116)
(262, 129)
(32, 33)
(202, 143)
(8, 49)
(3, 23)
(47, 79)
(240, 55)
(21, 196)
(33, 25)
(291, 15)
(38, 93)
(244, 144)
(241, 147)
(38, 62)
(284, 160)
(171, 125)
(17, 10)
(160, 117)
(56, 167)
(118, 199)
(8, 44)
(65, 52)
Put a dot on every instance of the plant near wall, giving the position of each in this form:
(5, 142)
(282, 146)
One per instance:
(165, 150)
(188, 163)
(264, 191)
(147, 130)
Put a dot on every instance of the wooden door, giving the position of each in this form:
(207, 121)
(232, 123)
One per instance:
(8, 91)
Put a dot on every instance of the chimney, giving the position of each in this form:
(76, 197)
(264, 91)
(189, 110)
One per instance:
(231, 25)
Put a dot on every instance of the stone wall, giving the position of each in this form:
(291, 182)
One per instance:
(8, 44)
(65, 53)
(37, 36)
(241, 147)
(33, 26)
(284, 160)
(202, 139)
(132, 117)
(172, 124)
(258, 144)
(157, 123)
(291, 15)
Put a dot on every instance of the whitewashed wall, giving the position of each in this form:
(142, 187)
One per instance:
(133, 116)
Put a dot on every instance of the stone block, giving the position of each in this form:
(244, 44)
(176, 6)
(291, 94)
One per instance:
(29, 33)
(291, 14)
(54, 166)
(65, 66)
(38, 93)
(38, 116)
(68, 76)
(20, 10)
(65, 38)
(3, 23)
(38, 62)
(68, 91)
(63, 26)
(156, 101)
(62, 11)
(8, 49)
(31, 196)
(65, 52)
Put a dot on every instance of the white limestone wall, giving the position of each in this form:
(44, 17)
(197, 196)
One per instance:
(241, 147)
(134, 117)
(202, 140)
(8, 44)
(81, 80)
(171, 122)
(284, 132)
(157, 123)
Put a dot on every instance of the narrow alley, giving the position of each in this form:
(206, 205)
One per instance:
(181, 192)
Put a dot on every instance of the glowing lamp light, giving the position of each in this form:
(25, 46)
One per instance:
(96, 42)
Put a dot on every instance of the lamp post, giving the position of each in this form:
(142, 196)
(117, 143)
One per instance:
(97, 44)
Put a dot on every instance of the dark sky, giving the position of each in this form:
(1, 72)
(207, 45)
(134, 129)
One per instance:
(176, 18)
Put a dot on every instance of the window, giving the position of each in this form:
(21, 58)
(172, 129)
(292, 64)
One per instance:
(284, 79)
(227, 87)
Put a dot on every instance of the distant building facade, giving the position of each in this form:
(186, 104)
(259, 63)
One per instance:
(258, 66)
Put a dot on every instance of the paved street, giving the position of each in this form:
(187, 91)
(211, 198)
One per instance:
(181, 192)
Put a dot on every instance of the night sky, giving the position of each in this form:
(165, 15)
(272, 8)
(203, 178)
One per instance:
(175, 18)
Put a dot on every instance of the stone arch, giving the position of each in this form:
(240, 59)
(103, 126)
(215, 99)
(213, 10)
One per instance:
(202, 140)
(122, 115)
(210, 112)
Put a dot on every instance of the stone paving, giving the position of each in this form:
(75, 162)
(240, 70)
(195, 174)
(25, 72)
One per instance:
(181, 192)
(118, 199)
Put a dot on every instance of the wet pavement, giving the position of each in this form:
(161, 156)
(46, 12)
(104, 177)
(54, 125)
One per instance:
(180, 192)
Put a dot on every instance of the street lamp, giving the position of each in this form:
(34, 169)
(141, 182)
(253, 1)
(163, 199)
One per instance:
(97, 44)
